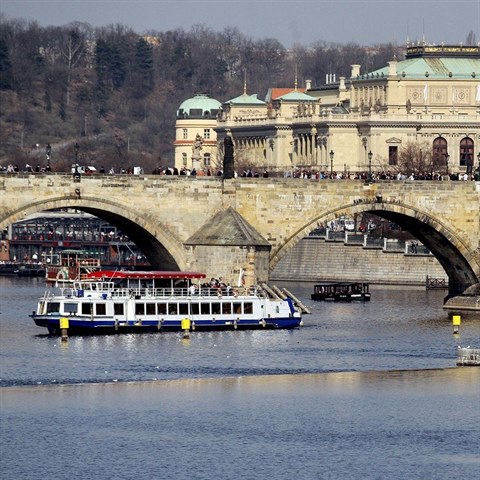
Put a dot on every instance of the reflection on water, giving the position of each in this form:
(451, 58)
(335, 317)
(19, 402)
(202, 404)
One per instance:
(350, 425)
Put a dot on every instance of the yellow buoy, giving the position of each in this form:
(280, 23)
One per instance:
(64, 322)
(185, 324)
(456, 320)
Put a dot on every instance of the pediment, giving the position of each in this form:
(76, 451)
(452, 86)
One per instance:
(393, 140)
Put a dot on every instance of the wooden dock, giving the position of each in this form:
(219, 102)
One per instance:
(468, 357)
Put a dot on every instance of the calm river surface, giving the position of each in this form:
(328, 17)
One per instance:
(362, 391)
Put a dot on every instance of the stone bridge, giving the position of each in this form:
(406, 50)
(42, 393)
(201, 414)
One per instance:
(244, 226)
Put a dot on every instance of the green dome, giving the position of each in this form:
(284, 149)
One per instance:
(200, 106)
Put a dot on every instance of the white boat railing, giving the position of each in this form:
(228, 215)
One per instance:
(108, 290)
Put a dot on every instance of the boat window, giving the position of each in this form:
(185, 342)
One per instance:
(216, 308)
(150, 308)
(100, 309)
(86, 308)
(237, 307)
(194, 308)
(53, 307)
(70, 308)
(248, 307)
(183, 308)
(118, 308)
(161, 308)
(139, 309)
(172, 309)
(205, 308)
(227, 308)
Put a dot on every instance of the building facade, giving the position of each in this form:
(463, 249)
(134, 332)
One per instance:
(360, 124)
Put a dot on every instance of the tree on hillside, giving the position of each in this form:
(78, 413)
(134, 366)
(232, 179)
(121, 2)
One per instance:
(6, 77)
(73, 49)
(142, 74)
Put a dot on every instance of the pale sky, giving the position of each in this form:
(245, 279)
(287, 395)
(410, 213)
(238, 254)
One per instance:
(365, 22)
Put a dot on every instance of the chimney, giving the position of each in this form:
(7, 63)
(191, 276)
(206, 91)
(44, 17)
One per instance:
(355, 70)
(392, 68)
(308, 84)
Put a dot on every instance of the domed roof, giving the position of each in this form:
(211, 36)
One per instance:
(200, 106)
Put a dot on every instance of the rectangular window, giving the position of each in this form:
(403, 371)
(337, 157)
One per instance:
(86, 308)
(185, 134)
(227, 308)
(205, 308)
(139, 309)
(206, 159)
(248, 308)
(161, 308)
(100, 309)
(150, 308)
(172, 309)
(183, 308)
(216, 308)
(393, 155)
(237, 308)
(53, 307)
(118, 308)
(70, 308)
(194, 308)
(206, 133)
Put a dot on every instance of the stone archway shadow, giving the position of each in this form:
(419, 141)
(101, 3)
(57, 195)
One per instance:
(448, 246)
(162, 250)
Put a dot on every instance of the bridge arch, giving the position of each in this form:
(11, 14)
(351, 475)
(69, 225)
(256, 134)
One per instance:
(161, 248)
(447, 245)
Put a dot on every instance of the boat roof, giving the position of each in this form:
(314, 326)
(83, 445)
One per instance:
(151, 274)
(336, 284)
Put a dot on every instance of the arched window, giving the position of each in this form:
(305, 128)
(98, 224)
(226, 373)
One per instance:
(440, 153)
(466, 154)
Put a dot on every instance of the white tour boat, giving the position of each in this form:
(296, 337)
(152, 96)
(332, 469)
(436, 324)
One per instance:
(130, 301)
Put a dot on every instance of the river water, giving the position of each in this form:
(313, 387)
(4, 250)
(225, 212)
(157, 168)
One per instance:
(360, 391)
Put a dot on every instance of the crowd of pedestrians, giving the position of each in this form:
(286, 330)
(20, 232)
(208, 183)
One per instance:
(307, 174)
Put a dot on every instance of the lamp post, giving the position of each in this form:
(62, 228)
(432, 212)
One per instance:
(48, 151)
(370, 155)
(332, 153)
(447, 156)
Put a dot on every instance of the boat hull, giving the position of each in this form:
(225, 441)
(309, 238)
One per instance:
(78, 326)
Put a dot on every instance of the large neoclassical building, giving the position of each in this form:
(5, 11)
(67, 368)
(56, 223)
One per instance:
(355, 124)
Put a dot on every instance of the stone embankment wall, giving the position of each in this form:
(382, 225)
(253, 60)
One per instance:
(313, 259)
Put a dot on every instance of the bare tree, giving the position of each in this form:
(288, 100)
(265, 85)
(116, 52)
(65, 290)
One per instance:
(413, 158)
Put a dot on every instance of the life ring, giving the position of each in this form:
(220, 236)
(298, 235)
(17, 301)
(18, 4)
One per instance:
(62, 274)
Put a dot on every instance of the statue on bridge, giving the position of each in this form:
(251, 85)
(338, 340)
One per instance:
(228, 157)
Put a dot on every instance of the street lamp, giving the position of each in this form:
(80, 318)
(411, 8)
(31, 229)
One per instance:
(332, 153)
(48, 151)
(370, 155)
(447, 156)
